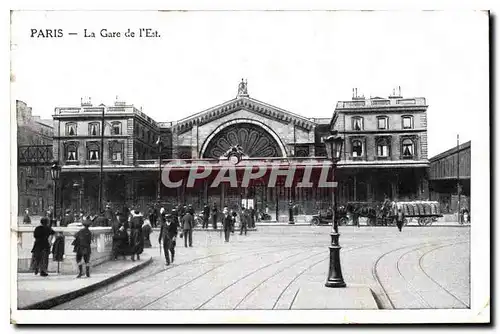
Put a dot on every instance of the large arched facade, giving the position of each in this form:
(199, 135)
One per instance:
(256, 139)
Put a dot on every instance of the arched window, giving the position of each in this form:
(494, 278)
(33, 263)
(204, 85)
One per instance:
(383, 148)
(71, 151)
(93, 151)
(116, 151)
(94, 129)
(382, 123)
(70, 129)
(407, 122)
(408, 148)
(357, 123)
(357, 148)
(116, 128)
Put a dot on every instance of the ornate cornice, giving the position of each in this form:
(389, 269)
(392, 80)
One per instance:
(245, 103)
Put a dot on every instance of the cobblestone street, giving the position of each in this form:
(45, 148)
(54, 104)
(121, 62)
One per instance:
(422, 267)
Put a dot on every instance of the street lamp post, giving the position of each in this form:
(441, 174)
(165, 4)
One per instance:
(335, 280)
(55, 172)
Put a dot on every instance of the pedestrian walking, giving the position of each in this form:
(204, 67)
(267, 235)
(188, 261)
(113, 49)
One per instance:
(58, 249)
(290, 213)
(26, 218)
(136, 237)
(244, 219)
(146, 232)
(227, 221)
(83, 239)
(168, 234)
(234, 215)
(187, 227)
(252, 217)
(152, 216)
(206, 214)
(214, 213)
(41, 247)
(120, 240)
(400, 218)
(108, 213)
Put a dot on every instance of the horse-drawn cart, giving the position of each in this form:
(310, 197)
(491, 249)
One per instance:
(381, 214)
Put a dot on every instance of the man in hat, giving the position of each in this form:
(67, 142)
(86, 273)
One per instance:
(214, 215)
(290, 213)
(168, 234)
(187, 227)
(227, 222)
(83, 239)
(206, 214)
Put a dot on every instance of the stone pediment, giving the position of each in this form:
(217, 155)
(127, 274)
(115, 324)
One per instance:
(263, 109)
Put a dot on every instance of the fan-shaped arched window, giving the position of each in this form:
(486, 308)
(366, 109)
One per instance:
(357, 148)
(408, 148)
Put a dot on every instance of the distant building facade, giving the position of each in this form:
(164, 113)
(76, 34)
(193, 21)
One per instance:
(448, 170)
(35, 187)
(385, 148)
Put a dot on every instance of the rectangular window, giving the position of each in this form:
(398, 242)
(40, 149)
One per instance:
(382, 123)
(407, 122)
(71, 129)
(357, 123)
(117, 156)
(94, 129)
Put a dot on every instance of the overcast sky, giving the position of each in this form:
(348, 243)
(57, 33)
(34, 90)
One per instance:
(303, 62)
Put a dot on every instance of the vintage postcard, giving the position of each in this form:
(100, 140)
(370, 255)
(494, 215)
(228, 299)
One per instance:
(250, 167)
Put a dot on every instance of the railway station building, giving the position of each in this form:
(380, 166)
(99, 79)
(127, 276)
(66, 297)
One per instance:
(385, 153)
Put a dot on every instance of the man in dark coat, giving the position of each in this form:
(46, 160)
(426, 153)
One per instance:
(190, 209)
(227, 221)
(206, 214)
(108, 213)
(168, 234)
(400, 218)
(41, 247)
(214, 216)
(136, 237)
(120, 238)
(244, 218)
(290, 213)
(82, 248)
(152, 216)
(187, 227)
(252, 217)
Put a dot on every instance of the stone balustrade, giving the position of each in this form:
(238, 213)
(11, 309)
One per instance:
(102, 239)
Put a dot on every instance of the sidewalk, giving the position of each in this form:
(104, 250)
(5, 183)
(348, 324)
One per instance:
(36, 292)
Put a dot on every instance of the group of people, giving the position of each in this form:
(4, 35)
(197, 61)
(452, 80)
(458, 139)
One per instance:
(211, 214)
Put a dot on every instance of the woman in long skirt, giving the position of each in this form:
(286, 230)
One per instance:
(41, 247)
(136, 237)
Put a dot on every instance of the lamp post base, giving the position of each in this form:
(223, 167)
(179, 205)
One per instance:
(335, 279)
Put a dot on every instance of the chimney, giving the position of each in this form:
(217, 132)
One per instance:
(86, 101)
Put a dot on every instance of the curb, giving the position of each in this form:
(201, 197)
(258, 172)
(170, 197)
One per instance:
(61, 299)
